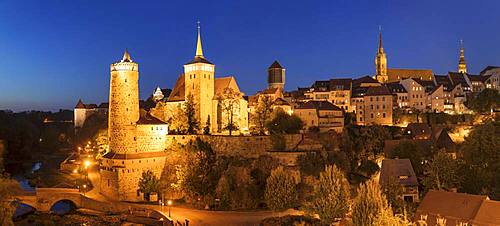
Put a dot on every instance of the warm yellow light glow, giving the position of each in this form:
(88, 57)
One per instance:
(75, 171)
(87, 163)
(169, 202)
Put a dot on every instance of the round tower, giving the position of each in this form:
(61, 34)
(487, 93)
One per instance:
(123, 105)
(276, 76)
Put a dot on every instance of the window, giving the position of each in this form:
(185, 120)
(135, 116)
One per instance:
(383, 115)
(371, 115)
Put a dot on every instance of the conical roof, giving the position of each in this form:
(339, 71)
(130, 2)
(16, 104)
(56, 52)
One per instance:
(80, 104)
(275, 65)
(126, 57)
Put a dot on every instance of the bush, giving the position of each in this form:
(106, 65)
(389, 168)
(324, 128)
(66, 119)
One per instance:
(281, 192)
(311, 163)
(331, 195)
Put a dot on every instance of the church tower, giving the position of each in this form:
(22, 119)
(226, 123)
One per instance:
(199, 82)
(381, 62)
(276, 76)
(462, 67)
(123, 105)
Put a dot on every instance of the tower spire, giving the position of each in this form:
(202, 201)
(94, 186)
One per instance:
(199, 49)
(380, 47)
(462, 66)
(126, 56)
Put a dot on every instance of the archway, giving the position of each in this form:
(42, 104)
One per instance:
(63, 206)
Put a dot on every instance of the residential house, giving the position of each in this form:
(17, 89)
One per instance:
(321, 114)
(400, 171)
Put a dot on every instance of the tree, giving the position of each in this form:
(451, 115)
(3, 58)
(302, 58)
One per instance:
(441, 173)
(387, 218)
(311, 163)
(393, 191)
(7, 208)
(178, 122)
(368, 204)
(206, 129)
(229, 103)
(223, 193)
(192, 122)
(262, 113)
(281, 192)
(331, 195)
(200, 179)
(409, 150)
(284, 123)
(482, 161)
(148, 183)
(485, 101)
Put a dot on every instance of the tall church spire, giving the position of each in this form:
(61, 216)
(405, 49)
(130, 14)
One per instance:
(381, 61)
(199, 49)
(462, 66)
(380, 47)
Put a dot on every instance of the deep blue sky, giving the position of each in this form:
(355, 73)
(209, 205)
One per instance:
(54, 52)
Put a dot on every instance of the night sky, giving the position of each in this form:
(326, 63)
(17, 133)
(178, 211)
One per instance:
(54, 52)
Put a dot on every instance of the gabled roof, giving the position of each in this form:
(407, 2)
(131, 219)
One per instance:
(104, 105)
(418, 130)
(488, 213)
(318, 105)
(399, 170)
(377, 91)
(178, 93)
(359, 91)
(225, 82)
(340, 84)
(396, 74)
(148, 119)
(395, 87)
(445, 81)
(455, 207)
(80, 104)
(280, 102)
(487, 69)
(275, 64)
(363, 80)
(458, 78)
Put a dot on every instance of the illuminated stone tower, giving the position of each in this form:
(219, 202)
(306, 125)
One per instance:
(123, 105)
(462, 67)
(381, 62)
(276, 76)
(199, 82)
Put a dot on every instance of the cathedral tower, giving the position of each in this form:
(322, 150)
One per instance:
(199, 82)
(381, 62)
(276, 76)
(462, 67)
(123, 105)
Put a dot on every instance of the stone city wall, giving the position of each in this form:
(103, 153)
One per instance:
(246, 146)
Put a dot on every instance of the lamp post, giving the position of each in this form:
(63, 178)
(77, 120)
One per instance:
(84, 188)
(169, 203)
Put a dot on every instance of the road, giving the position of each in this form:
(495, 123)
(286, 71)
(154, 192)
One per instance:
(197, 217)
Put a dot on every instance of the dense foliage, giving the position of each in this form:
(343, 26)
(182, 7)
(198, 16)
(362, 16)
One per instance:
(482, 161)
(368, 204)
(485, 101)
(283, 123)
(331, 195)
(148, 183)
(262, 114)
(281, 191)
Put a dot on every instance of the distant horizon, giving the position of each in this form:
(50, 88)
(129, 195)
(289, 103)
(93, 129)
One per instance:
(54, 54)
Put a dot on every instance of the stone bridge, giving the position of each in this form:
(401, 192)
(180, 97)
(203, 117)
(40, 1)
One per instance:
(43, 199)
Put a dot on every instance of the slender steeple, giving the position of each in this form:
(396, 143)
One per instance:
(126, 57)
(462, 66)
(381, 61)
(380, 47)
(199, 49)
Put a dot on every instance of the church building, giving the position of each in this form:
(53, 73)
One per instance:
(217, 101)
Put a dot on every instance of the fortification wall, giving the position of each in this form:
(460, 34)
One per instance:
(246, 146)
(151, 138)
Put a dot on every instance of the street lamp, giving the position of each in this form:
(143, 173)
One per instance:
(169, 203)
